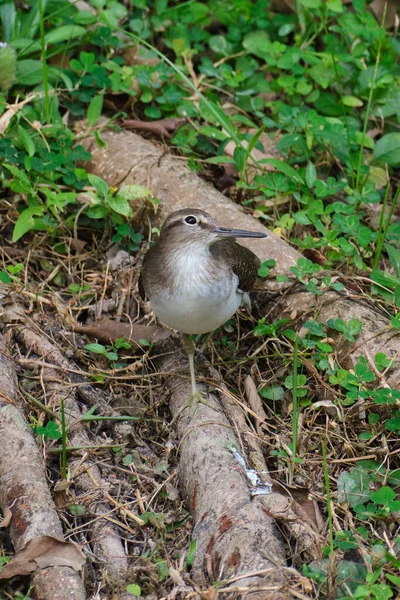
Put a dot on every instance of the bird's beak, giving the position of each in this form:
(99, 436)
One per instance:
(237, 233)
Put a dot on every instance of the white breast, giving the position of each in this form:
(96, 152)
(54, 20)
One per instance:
(201, 299)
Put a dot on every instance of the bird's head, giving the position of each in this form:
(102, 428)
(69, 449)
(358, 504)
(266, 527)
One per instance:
(196, 226)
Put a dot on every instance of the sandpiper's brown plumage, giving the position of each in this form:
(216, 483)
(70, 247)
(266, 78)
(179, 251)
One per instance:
(196, 275)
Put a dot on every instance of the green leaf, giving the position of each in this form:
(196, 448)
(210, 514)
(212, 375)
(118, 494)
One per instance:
(265, 267)
(322, 75)
(301, 381)
(220, 45)
(311, 175)
(394, 477)
(387, 149)
(94, 109)
(120, 205)
(26, 221)
(352, 101)
(273, 392)
(334, 5)
(383, 496)
(21, 176)
(99, 184)
(211, 108)
(394, 579)
(51, 431)
(218, 160)
(8, 14)
(27, 141)
(4, 277)
(191, 553)
(64, 33)
(311, 3)
(395, 321)
(97, 212)
(134, 589)
(257, 42)
(283, 168)
(146, 97)
(385, 279)
(133, 192)
(254, 140)
(29, 72)
(349, 330)
(353, 486)
(393, 424)
(77, 510)
(213, 133)
(95, 348)
(394, 257)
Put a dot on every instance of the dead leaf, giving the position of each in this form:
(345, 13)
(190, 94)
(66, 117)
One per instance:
(315, 256)
(304, 506)
(12, 111)
(42, 552)
(162, 127)
(118, 259)
(6, 518)
(107, 330)
(330, 407)
(62, 485)
(378, 7)
(77, 245)
(254, 401)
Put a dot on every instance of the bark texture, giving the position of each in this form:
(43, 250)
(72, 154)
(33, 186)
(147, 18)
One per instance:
(235, 534)
(24, 489)
(87, 480)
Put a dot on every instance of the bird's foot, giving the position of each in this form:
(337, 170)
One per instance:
(194, 400)
(191, 403)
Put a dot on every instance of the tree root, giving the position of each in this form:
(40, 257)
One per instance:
(234, 532)
(24, 490)
(87, 479)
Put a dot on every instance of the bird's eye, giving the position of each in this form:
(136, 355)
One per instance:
(191, 220)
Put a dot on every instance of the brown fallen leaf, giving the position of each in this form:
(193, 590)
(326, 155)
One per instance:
(303, 505)
(379, 7)
(42, 552)
(13, 109)
(254, 401)
(315, 256)
(107, 330)
(162, 127)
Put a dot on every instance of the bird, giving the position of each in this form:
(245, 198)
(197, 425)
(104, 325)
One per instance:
(196, 276)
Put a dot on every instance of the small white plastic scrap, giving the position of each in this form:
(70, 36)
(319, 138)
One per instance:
(258, 488)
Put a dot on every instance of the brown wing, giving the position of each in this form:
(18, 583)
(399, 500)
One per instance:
(142, 292)
(141, 286)
(243, 261)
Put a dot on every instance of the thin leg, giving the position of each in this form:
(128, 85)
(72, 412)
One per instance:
(188, 346)
(195, 396)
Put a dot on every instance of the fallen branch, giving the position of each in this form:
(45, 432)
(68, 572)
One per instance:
(24, 490)
(87, 478)
(162, 127)
(234, 533)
